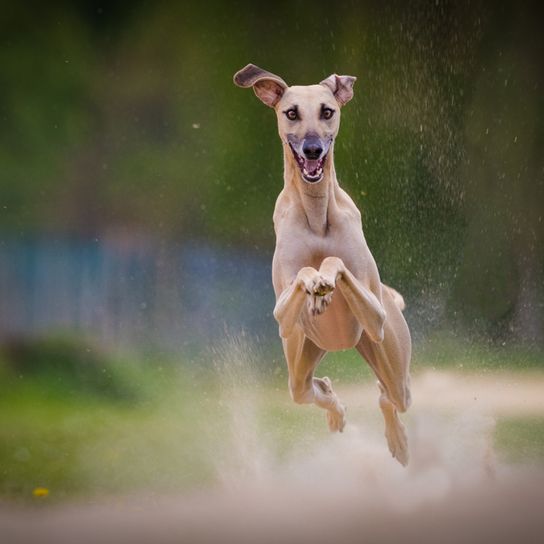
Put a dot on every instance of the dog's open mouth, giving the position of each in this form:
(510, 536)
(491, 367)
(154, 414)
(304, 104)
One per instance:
(311, 169)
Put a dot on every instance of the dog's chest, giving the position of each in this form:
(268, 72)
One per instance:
(347, 244)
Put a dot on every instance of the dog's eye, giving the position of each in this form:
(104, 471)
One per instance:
(327, 113)
(292, 114)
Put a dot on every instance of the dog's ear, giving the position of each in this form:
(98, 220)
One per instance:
(267, 86)
(341, 87)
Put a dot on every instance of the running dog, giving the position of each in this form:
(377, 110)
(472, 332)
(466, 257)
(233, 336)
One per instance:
(329, 296)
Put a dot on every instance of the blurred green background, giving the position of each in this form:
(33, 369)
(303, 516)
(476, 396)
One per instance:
(137, 185)
(121, 119)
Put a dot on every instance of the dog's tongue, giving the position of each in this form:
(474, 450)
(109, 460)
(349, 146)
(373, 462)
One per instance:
(311, 166)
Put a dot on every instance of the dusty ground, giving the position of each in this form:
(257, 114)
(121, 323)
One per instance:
(344, 488)
(496, 394)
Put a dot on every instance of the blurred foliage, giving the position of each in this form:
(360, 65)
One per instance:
(123, 116)
(70, 366)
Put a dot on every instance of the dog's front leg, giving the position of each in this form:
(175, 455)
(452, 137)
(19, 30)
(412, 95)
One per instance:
(291, 300)
(365, 305)
(303, 356)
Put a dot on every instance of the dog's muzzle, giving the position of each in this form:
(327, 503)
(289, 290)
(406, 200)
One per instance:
(310, 155)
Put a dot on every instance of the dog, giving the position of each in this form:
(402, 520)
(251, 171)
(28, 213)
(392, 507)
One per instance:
(329, 295)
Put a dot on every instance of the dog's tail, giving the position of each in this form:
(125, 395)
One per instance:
(397, 297)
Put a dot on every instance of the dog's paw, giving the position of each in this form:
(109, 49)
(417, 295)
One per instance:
(323, 286)
(320, 295)
(326, 385)
(318, 304)
(336, 419)
(398, 443)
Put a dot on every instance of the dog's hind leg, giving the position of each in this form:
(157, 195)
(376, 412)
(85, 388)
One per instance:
(303, 356)
(390, 361)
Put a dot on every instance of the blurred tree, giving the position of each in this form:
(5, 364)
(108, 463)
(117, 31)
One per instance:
(46, 71)
(126, 117)
(500, 281)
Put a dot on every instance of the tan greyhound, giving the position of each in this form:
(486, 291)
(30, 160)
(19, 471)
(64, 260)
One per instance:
(329, 296)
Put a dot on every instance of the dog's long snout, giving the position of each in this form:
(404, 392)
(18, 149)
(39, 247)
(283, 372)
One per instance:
(312, 147)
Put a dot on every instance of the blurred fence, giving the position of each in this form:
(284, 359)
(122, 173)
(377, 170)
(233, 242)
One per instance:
(133, 293)
(136, 293)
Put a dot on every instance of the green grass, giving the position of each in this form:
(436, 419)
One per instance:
(83, 446)
(521, 439)
(443, 350)
(123, 426)
(86, 427)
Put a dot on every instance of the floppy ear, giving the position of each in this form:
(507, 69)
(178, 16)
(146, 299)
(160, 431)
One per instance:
(267, 86)
(341, 87)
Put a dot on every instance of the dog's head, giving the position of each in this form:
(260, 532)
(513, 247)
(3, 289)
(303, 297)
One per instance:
(308, 115)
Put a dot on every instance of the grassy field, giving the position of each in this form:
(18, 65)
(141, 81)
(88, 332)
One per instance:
(79, 424)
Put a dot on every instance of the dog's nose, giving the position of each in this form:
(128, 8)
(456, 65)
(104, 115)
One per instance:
(312, 148)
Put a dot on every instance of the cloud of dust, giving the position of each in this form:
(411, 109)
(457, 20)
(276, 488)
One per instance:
(246, 456)
(347, 487)
(448, 452)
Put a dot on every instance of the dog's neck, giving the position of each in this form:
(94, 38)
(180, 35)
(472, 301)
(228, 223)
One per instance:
(315, 199)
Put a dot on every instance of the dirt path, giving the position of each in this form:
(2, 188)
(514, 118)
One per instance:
(496, 394)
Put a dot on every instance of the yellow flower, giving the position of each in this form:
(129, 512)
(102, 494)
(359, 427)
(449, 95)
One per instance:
(40, 492)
